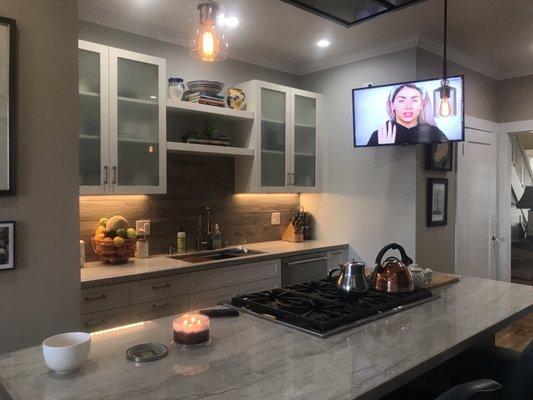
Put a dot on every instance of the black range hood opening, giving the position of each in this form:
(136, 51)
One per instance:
(350, 12)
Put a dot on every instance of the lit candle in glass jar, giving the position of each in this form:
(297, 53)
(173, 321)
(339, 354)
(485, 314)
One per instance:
(191, 330)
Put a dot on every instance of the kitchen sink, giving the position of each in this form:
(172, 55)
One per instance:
(215, 255)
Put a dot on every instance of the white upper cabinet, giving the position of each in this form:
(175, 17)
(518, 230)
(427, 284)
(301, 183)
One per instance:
(127, 153)
(285, 134)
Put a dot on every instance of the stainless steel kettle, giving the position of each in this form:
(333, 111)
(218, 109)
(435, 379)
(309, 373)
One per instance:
(351, 280)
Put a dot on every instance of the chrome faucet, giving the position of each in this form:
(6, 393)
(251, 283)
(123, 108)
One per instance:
(199, 241)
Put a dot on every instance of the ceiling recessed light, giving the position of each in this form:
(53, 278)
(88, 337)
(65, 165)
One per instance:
(232, 22)
(323, 43)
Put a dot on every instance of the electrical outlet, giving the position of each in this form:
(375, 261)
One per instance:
(275, 218)
(143, 225)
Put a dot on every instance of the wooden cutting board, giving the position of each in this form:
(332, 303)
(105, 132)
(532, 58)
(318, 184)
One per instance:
(441, 279)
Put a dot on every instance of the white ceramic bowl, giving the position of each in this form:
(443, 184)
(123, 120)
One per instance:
(64, 353)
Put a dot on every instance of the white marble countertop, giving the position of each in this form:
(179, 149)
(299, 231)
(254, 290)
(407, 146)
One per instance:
(251, 358)
(96, 273)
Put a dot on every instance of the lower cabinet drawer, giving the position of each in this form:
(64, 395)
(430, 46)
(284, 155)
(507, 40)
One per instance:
(212, 297)
(105, 297)
(159, 309)
(235, 275)
(101, 320)
(259, 286)
(159, 288)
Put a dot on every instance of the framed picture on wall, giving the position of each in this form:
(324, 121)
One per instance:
(439, 156)
(7, 245)
(8, 104)
(437, 201)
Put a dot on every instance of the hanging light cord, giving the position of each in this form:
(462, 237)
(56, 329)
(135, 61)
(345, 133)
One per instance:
(444, 60)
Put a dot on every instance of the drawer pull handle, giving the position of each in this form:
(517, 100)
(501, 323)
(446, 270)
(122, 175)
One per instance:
(310, 260)
(166, 304)
(166, 285)
(101, 297)
(91, 324)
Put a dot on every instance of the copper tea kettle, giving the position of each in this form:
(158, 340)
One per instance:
(392, 275)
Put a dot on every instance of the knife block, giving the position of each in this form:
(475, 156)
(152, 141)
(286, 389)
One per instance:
(290, 235)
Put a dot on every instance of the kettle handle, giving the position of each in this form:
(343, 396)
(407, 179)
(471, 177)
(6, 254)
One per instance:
(330, 273)
(393, 246)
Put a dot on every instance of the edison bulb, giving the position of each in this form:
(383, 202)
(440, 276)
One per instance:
(445, 108)
(208, 45)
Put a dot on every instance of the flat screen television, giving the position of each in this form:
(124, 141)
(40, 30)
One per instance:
(405, 113)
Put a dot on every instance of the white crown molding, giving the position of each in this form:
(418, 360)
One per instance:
(405, 43)
(154, 31)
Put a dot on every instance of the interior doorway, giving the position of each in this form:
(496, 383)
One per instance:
(521, 216)
(476, 239)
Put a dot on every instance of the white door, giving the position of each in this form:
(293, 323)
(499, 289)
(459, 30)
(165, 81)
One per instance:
(137, 123)
(476, 205)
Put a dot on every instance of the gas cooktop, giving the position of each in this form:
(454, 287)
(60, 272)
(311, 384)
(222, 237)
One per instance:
(319, 309)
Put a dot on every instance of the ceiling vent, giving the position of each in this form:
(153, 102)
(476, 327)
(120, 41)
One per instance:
(350, 12)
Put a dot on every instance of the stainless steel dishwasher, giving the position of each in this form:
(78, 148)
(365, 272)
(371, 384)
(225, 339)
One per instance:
(304, 268)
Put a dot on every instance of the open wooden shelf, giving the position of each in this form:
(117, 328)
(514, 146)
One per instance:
(188, 107)
(206, 149)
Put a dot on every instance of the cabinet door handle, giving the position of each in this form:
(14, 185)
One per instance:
(288, 178)
(165, 304)
(106, 174)
(114, 174)
(101, 297)
(310, 260)
(166, 285)
(91, 324)
(292, 179)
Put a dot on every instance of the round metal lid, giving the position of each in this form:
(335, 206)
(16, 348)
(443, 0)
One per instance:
(146, 352)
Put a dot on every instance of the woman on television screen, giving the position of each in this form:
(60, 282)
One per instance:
(410, 119)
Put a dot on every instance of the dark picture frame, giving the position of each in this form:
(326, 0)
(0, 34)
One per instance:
(8, 27)
(439, 156)
(7, 245)
(437, 202)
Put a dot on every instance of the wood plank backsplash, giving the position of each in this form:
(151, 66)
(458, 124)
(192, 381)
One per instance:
(193, 181)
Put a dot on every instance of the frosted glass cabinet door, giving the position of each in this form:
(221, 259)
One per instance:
(305, 142)
(93, 124)
(274, 139)
(138, 123)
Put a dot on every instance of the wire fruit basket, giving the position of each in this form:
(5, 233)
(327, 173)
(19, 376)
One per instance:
(110, 253)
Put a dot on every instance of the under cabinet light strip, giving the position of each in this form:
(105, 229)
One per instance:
(118, 328)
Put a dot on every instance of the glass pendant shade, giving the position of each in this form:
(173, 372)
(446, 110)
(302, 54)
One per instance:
(207, 40)
(445, 100)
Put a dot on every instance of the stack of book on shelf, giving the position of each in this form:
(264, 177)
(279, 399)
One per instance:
(204, 98)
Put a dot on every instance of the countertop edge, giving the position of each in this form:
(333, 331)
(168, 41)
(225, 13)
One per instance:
(206, 266)
(425, 366)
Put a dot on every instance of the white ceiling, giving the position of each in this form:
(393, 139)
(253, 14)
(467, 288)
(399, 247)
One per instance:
(493, 36)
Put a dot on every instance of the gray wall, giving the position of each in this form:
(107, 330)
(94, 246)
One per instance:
(480, 90)
(435, 246)
(178, 61)
(41, 296)
(515, 99)
(368, 197)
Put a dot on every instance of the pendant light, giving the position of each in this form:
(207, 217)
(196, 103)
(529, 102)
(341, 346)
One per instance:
(445, 97)
(207, 38)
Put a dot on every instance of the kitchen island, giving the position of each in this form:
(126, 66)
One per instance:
(252, 358)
